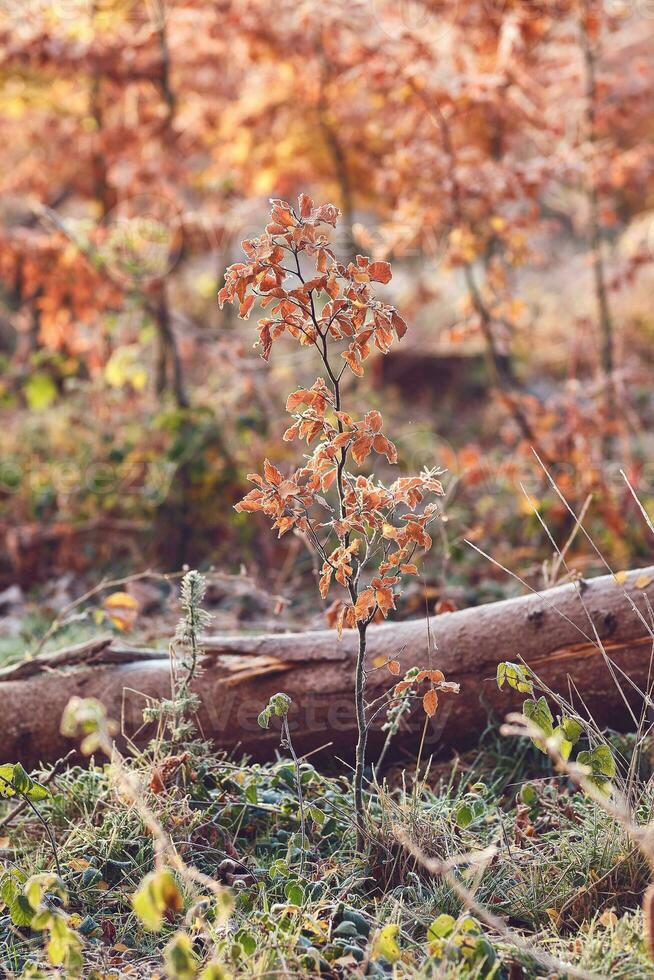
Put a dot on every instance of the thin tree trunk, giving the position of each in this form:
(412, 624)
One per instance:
(362, 734)
(500, 368)
(596, 245)
(169, 365)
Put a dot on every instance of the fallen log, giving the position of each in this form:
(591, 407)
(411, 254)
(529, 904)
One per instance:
(579, 638)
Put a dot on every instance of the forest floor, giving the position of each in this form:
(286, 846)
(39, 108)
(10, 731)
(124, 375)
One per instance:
(486, 864)
(565, 891)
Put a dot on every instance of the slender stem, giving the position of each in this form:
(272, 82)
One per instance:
(352, 585)
(286, 737)
(34, 809)
(362, 736)
(48, 830)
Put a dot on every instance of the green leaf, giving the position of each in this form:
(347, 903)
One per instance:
(64, 946)
(42, 920)
(21, 912)
(247, 941)
(27, 786)
(317, 815)
(565, 747)
(516, 676)
(602, 761)
(181, 961)
(468, 925)
(572, 729)
(8, 889)
(214, 971)
(40, 391)
(21, 780)
(37, 792)
(7, 781)
(264, 718)
(441, 927)
(157, 893)
(464, 816)
(280, 704)
(539, 713)
(58, 945)
(279, 868)
(602, 767)
(294, 892)
(37, 885)
(528, 794)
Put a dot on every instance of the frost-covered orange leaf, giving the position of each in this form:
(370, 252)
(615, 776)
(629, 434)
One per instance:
(380, 272)
(402, 687)
(430, 702)
(271, 473)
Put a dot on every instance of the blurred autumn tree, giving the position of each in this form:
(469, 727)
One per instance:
(500, 152)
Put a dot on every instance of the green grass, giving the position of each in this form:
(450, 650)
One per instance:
(562, 877)
(558, 893)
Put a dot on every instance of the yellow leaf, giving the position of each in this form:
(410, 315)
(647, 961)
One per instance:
(320, 927)
(385, 944)
(122, 609)
(643, 581)
(123, 367)
(379, 660)
(528, 505)
(621, 577)
(608, 919)
(79, 864)
(120, 600)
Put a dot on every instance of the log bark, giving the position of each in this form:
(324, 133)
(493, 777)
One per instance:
(550, 631)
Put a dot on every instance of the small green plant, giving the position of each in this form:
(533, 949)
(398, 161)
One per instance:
(462, 941)
(163, 894)
(598, 763)
(39, 903)
(176, 713)
(14, 781)
(279, 706)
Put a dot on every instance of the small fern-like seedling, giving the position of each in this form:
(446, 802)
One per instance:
(184, 703)
(195, 619)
